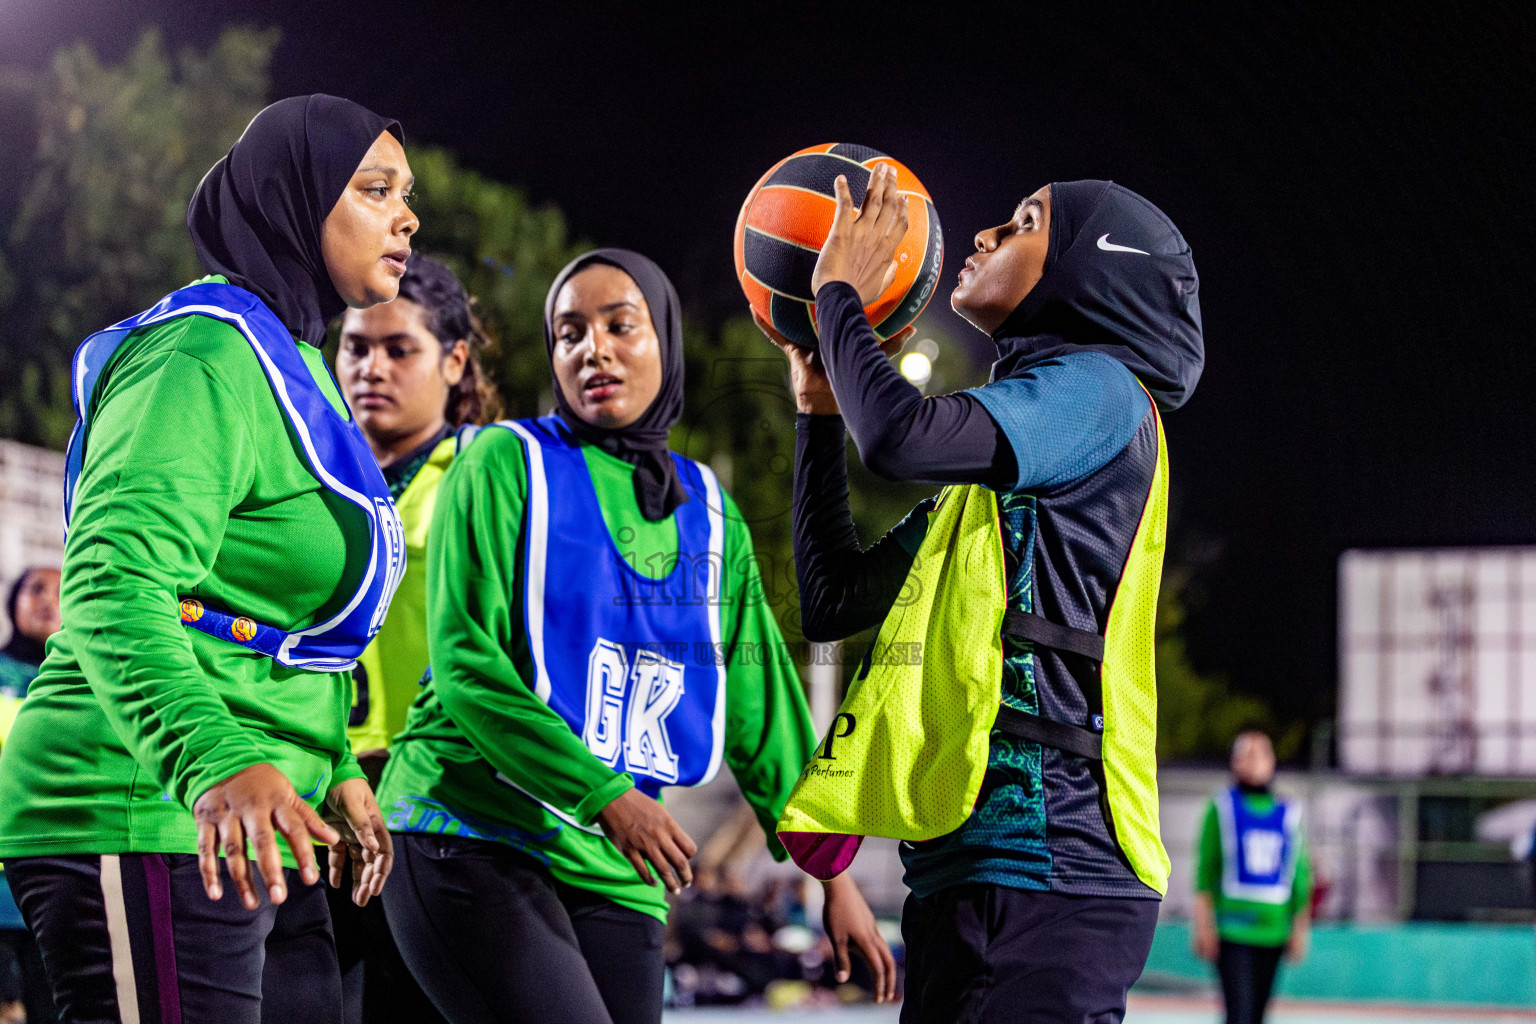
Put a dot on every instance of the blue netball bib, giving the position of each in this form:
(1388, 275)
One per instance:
(1258, 848)
(633, 665)
(334, 450)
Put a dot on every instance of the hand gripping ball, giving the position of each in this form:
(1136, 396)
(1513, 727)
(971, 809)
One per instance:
(785, 221)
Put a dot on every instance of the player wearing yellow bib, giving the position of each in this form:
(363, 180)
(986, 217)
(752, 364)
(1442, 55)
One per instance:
(411, 373)
(1047, 542)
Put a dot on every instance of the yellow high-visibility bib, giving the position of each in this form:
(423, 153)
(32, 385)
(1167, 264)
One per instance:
(387, 679)
(905, 756)
(907, 751)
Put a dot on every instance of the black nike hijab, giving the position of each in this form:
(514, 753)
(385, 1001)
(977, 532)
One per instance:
(1119, 279)
(643, 443)
(256, 216)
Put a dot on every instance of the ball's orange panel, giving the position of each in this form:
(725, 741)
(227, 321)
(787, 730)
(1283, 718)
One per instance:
(741, 218)
(907, 181)
(803, 217)
(794, 215)
(758, 297)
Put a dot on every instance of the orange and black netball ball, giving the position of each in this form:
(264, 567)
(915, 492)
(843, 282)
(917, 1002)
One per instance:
(784, 223)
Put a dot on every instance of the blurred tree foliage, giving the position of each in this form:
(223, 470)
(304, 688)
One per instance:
(1199, 714)
(506, 250)
(98, 231)
(95, 231)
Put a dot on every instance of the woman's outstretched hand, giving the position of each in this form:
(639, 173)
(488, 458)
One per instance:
(807, 375)
(848, 920)
(256, 805)
(365, 841)
(861, 247)
(644, 832)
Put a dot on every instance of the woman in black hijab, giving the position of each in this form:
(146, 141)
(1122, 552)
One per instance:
(1041, 906)
(597, 633)
(231, 542)
(32, 607)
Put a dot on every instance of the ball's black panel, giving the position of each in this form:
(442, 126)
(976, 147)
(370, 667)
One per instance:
(923, 284)
(853, 151)
(782, 266)
(817, 172)
(793, 319)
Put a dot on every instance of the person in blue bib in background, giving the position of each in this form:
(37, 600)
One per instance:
(1253, 882)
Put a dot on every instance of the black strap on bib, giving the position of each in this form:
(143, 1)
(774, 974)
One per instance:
(1071, 738)
(1039, 630)
(1074, 739)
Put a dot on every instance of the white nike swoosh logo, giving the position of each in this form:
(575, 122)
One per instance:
(1108, 246)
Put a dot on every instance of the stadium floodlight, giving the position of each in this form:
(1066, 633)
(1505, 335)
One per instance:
(916, 367)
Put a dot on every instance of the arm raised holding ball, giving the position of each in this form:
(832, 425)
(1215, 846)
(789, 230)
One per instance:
(900, 435)
(861, 246)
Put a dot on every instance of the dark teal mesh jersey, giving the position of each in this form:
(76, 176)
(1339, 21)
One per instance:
(1039, 823)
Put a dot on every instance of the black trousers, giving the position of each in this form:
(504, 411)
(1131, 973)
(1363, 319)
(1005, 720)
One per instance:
(493, 939)
(376, 986)
(133, 939)
(987, 954)
(1247, 979)
(25, 980)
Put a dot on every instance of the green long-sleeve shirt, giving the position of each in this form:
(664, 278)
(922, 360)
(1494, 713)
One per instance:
(192, 486)
(1244, 921)
(479, 717)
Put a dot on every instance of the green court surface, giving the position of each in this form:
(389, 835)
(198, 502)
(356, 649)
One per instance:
(1144, 1010)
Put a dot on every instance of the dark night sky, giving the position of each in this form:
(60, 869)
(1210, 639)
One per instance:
(1356, 184)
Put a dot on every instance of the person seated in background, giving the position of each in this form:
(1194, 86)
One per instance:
(33, 609)
(1253, 881)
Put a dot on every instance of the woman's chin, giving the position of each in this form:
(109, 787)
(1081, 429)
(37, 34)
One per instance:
(958, 304)
(606, 416)
(373, 292)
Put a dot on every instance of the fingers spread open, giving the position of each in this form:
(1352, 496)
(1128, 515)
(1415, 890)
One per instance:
(378, 873)
(871, 957)
(882, 965)
(874, 197)
(845, 211)
(336, 861)
(676, 864)
(208, 859)
(314, 824)
(363, 827)
(294, 825)
(386, 847)
(683, 840)
(840, 956)
(232, 840)
(258, 827)
(641, 868)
